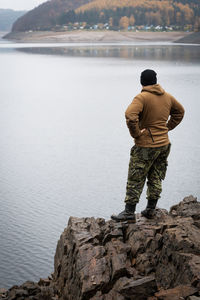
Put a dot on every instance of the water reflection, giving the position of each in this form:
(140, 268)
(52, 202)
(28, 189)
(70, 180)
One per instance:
(141, 52)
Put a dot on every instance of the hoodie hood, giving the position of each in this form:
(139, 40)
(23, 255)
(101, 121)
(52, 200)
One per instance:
(154, 89)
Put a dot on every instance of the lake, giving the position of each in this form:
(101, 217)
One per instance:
(65, 147)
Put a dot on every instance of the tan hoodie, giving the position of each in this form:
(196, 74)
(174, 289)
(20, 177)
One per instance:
(151, 110)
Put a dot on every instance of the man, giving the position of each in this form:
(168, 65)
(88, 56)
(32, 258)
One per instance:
(147, 119)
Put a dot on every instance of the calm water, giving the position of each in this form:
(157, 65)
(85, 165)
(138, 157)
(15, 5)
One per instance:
(64, 145)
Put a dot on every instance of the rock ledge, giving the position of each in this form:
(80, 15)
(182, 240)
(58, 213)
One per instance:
(98, 260)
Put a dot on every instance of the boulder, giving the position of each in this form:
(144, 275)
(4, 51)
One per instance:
(98, 260)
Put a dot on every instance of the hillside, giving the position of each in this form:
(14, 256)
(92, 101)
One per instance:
(112, 14)
(45, 15)
(126, 13)
(8, 17)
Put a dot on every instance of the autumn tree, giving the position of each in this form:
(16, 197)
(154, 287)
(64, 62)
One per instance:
(178, 18)
(189, 14)
(110, 22)
(101, 15)
(131, 20)
(124, 22)
(197, 24)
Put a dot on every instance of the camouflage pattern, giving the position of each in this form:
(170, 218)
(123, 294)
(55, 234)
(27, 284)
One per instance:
(150, 164)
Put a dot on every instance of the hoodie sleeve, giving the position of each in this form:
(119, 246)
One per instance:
(176, 114)
(132, 116)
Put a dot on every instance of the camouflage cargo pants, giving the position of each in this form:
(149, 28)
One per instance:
(150, 164)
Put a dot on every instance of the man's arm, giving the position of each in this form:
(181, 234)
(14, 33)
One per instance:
(176, 114)
(132, 117)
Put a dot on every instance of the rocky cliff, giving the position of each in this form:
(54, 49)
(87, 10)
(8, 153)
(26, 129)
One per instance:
(98, 260)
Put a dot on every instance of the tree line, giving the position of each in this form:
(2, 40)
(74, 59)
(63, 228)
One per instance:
(152, 12)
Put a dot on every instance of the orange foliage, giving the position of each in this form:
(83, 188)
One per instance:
(124, 22)
(131, 20)
(155, 10)
(146, 4)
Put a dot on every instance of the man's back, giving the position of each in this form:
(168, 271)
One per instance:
(150, 110)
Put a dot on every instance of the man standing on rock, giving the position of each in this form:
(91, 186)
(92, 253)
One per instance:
(147, 119)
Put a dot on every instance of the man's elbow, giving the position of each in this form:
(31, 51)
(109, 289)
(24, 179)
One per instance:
(183, 112)
(127, 115)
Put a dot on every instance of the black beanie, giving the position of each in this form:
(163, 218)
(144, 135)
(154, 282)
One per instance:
(148, 77)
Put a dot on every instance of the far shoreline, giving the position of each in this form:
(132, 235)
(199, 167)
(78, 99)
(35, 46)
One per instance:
(83, 36)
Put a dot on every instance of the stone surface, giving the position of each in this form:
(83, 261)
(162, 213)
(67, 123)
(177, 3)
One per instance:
(97, 260)
(108, 260)
(44, 281)
(179, 292)
(3, 293)
(139, 289)
(30, 291)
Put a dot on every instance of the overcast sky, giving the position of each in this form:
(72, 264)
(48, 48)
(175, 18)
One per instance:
(20, 4)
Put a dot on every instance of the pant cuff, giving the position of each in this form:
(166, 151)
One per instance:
(132, 201)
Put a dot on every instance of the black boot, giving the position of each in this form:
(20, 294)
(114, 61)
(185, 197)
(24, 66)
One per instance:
(126, 215)
(149, 211)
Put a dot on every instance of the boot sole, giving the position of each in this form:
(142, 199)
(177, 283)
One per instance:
(147, 217)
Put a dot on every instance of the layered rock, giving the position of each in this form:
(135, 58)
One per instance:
(152, 259)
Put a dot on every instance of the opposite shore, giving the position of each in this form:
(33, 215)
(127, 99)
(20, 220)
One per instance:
(80, 36)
